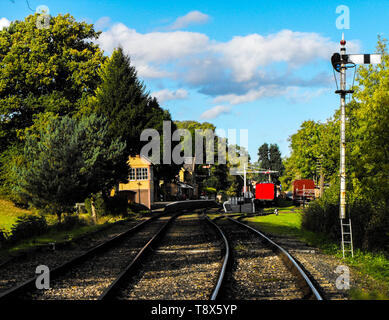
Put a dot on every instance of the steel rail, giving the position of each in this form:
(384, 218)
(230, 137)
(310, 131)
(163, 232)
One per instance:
(290, 261)
(226, 257)
(110, 292)
(30, 283)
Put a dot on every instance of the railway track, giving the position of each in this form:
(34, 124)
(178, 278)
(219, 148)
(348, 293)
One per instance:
(87, 275)
(255, 267)
(183, 266)
(100, 272)
(178, 256)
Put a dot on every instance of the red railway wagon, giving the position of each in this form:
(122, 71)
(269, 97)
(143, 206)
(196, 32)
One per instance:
(265, 193)
(303, 190)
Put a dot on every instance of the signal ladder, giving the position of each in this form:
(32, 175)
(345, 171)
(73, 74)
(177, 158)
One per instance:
(347, 237)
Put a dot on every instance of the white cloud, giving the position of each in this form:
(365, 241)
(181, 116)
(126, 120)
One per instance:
(246, 54)
(297, 95)
(243, 69)
(102, 23)
(167, 95)
(193, 17)
(252, 95)
(153, 48)
(215, 112)
(293, 93)
(4, 22)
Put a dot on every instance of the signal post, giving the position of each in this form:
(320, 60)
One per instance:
(341, 62)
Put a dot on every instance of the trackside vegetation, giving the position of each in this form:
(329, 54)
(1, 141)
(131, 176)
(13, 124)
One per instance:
(69, 118)
(367, 264)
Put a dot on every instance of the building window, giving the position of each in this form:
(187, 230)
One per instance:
(142, 174)
(132, 174)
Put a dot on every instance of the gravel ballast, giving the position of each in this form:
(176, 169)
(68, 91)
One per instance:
(88, 280)
(256, 272)
(184, 266)
(22, 268)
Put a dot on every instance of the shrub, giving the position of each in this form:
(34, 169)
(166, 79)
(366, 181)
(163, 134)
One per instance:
(117, 206)
(100, 205)
(71, 221)
(370, 223)
(112, 205)
(27, 226)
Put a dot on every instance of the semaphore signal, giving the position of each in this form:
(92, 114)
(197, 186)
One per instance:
(341, 62)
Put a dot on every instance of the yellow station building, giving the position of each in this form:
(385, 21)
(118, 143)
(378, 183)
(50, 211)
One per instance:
(141, 181)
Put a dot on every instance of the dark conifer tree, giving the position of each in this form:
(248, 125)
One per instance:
(122, 99)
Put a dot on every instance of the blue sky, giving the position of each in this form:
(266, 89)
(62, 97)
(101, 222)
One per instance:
(257, 65)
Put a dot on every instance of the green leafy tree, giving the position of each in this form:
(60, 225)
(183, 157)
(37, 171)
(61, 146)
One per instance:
(68, 160)
(269, 157)
(44, 70)
(371, 128)
(217, 175)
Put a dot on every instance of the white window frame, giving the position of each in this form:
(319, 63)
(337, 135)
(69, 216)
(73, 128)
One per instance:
(132, 174)
(142, 173)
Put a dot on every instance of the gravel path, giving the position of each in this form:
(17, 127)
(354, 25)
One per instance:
(88, 280)
(23, 268)
(184, 266)
(256, 272)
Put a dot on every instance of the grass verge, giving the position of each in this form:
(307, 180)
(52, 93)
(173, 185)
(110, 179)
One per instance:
(9, 214)
(56, 236)
(374, 265)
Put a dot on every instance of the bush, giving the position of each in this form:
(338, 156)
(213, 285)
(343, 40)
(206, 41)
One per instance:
(27, 226)
(117, 206)
(210, 190)
(100, 205)
(71, 221)
(370, 223)
(112, 205)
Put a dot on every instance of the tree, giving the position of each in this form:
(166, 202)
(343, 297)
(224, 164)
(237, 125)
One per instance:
(269, 157)
(67, 160)
(122, 99)
(44, 70)
(275, 160)
(215, 176)
(371, 128)
(263, 156)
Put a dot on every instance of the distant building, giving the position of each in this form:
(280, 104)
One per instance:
(140, 188)
(184, 186)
